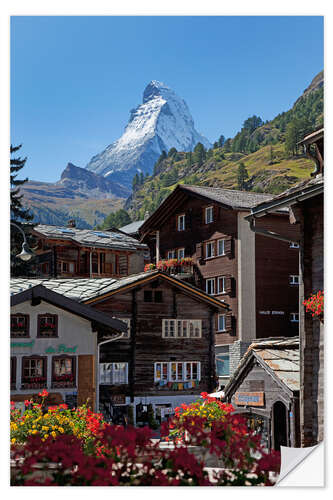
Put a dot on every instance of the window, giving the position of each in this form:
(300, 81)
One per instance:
(149, 296)
(221, 323)
(221, 284)
(294, 245)
(222, 365)
(47, 325)
(19, 325)
(33, 372)
(171, 254)
(44, 268)
(180, 253)
(210, 249)
(210, 286)
(294, 317)
(181, 222)
(208, 215)
(63, 371)
(220, 247)
(177, 371)
(294, 279)
(66, 267)
(113, 373)
(181, 328)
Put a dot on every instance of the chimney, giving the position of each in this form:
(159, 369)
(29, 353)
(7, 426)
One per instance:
(71, 223)
(146, 215)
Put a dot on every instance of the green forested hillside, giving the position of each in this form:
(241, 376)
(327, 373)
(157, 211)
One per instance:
(268, 153)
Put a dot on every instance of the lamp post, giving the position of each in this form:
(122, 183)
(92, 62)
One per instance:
(26, 254)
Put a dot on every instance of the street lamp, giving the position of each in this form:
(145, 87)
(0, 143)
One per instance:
(26, 254)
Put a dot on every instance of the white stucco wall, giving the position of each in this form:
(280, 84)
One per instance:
(73, 332)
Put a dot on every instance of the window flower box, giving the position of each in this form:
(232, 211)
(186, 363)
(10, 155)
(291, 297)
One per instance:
(315, 305)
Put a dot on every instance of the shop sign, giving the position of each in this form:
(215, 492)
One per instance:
(118, 399)
(273, 313)
(22, 344)
(60, 349)
(249, 398)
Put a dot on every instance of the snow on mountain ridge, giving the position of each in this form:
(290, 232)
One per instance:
(161, 122)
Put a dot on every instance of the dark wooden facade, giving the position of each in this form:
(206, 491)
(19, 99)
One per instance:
(273, 262)
(146, 346)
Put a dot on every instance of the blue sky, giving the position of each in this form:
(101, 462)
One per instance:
(75, 79)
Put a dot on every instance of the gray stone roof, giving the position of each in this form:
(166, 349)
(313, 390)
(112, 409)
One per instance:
(80, 289)
(132, 228)
(230, 197)
(91, 237)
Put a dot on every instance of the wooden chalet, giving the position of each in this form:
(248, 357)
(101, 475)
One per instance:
(73, 252)
(167, 357)
(54, 340)
(199, 233)
(305, 202)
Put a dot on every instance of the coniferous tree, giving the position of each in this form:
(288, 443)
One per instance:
(18, 215)
(172, 152)
(242, 175)
(221, 141)
(199, 154)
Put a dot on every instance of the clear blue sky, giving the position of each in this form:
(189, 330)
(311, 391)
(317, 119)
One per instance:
(75, 79)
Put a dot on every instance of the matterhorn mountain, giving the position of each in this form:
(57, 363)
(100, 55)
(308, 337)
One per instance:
(161, 122)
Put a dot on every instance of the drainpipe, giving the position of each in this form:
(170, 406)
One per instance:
(98, 371)
(157, 246)
(265, 232)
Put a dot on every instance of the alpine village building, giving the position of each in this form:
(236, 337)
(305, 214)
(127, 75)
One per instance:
(305, 203)
(72, 252)
(54, 344)
(202, 232)
(165, 358)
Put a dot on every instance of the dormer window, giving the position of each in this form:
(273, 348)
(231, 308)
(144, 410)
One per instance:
(209, 215)
(181, 222)
(47, 325)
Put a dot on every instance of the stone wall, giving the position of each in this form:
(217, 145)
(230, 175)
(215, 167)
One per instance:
(237, 351)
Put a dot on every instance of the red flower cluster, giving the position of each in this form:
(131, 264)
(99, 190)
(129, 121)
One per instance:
(129, 457)
(164, 265)
(63, 378)
(315, 304)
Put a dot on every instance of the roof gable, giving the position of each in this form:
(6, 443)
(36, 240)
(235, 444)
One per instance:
(228, 198)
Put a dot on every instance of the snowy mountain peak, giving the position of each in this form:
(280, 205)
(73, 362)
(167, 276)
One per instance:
(161, 122)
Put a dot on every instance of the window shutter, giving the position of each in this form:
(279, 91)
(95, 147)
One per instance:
(230, 286)
(229, 247)
(230, 324)
(216, 213)
(188, 220)
(199, 252)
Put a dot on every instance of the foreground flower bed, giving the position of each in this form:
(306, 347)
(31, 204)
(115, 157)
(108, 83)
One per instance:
(117, 456)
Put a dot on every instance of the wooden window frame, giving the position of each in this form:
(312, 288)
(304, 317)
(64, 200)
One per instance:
(39, 319)
(211, 280)
(173, 254)
(25, 384)
(218, 247)
(26, 327)
(181, 227)
(221, 292)
(178, 379)
(64, 383)
(179, 326)
(210, 210)
(212, 245)
(218, 323)
(178, 250)
(111, 380)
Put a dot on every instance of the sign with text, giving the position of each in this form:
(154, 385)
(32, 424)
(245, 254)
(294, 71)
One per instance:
(249, 398)
(22, 344)
(60, 349)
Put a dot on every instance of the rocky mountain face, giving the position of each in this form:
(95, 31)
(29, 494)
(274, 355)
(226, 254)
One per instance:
(79, 194)
(161, 122)
(94, 185)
